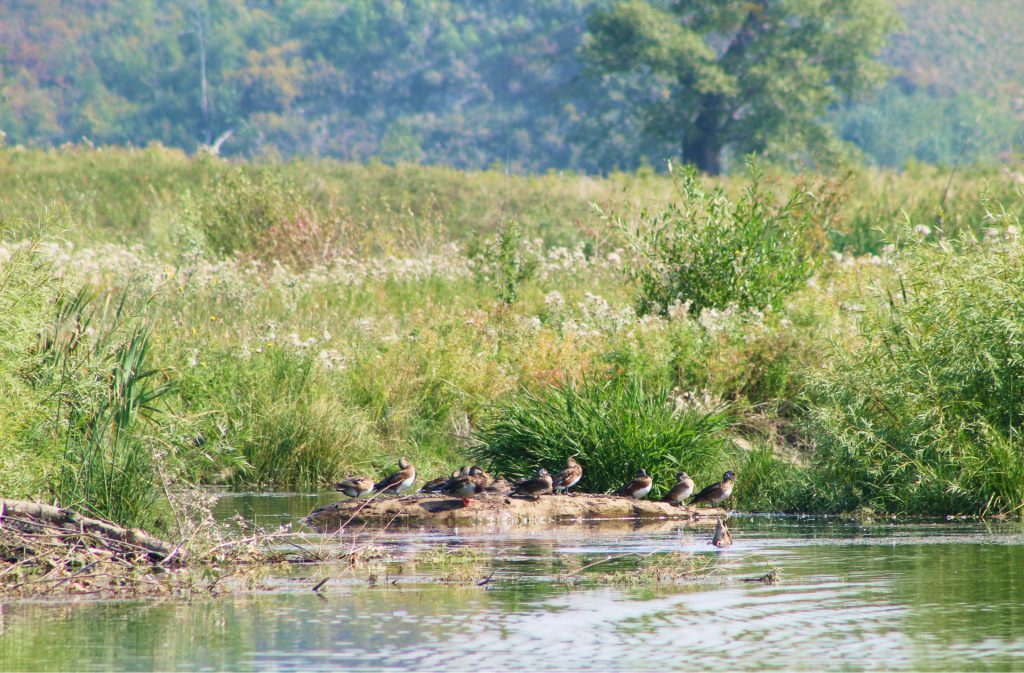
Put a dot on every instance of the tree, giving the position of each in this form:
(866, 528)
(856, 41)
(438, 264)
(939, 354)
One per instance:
(740, 76)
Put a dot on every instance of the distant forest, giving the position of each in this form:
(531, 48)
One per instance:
(467, 83)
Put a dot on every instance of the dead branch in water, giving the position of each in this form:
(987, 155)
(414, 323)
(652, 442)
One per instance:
(74, 529)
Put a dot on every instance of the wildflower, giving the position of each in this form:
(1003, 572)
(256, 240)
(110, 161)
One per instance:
(922, 230)
(330, 359)
(554, 300)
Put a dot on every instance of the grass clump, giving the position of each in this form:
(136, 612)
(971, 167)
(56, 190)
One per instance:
(924, 416)
(713, 252)
(613, 427)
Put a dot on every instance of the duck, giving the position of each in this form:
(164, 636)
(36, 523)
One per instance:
(355, 487)
(638, 488)
(716, 492)
(540, 485)
(722, 537)
(467, 486)
(437, 485)
(399, 481)
(682, 490)
(568, 477)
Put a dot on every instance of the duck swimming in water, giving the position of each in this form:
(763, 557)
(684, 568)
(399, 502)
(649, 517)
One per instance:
(399, 481)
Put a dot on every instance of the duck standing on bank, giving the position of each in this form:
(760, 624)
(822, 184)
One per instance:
(682, 490)
(716, 492)
(638, 488)
(399, 481)
(355, 487)
(437, 485)
(540, 485)
(467, 486)
(568, 477)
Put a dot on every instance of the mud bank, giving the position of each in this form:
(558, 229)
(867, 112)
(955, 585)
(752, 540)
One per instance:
(430, 509)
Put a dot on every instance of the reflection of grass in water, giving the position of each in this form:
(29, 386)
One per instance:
(453, 566)
(632, 570)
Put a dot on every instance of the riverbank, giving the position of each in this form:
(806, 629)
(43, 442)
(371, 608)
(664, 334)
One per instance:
(503, 510)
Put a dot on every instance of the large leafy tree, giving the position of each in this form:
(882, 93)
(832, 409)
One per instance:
(738, 75)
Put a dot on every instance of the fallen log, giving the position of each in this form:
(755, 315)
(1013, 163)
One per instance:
(73, 528)
(491, 508)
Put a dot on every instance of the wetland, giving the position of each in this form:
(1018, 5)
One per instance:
(844, 595)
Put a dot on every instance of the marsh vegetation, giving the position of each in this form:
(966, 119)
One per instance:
(841, 343)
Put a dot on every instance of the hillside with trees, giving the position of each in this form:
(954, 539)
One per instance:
(473, 83)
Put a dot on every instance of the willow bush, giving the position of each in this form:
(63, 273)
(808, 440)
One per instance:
(713, 252)
(924, 417)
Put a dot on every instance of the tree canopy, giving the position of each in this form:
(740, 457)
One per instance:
(586, 85)
(740, 76)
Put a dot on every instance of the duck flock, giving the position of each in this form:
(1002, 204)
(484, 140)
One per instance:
(470, 482)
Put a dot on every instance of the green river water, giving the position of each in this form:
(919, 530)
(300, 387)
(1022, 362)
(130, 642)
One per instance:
(852, 596)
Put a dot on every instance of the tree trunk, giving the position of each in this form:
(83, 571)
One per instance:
(704, 147)
(705, 152)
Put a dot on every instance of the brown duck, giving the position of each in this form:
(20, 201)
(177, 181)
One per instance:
(716, 492)
(355, 487)
(540, 485)
(638, 488)
(722, 537)
(437, 485)
(467, 486)
(399, 481)
(568, 477)
(682, 490)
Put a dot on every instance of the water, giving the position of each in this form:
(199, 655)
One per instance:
(922, 596)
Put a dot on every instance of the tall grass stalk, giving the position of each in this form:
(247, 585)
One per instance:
(105, 395)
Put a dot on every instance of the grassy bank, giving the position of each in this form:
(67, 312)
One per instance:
(286, 324)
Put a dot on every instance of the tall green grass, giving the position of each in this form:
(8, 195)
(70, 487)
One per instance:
(613, 427)
(923, 416)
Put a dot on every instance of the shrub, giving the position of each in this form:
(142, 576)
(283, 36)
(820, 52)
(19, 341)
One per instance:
(503, 262)
(924, 417)
(614, 427)
(706, 249)
(242, 205)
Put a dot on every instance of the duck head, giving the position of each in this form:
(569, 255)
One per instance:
(729, 476)
(403, 462)
(681, 475)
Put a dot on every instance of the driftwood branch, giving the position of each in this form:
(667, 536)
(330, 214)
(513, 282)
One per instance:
(34, 517)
